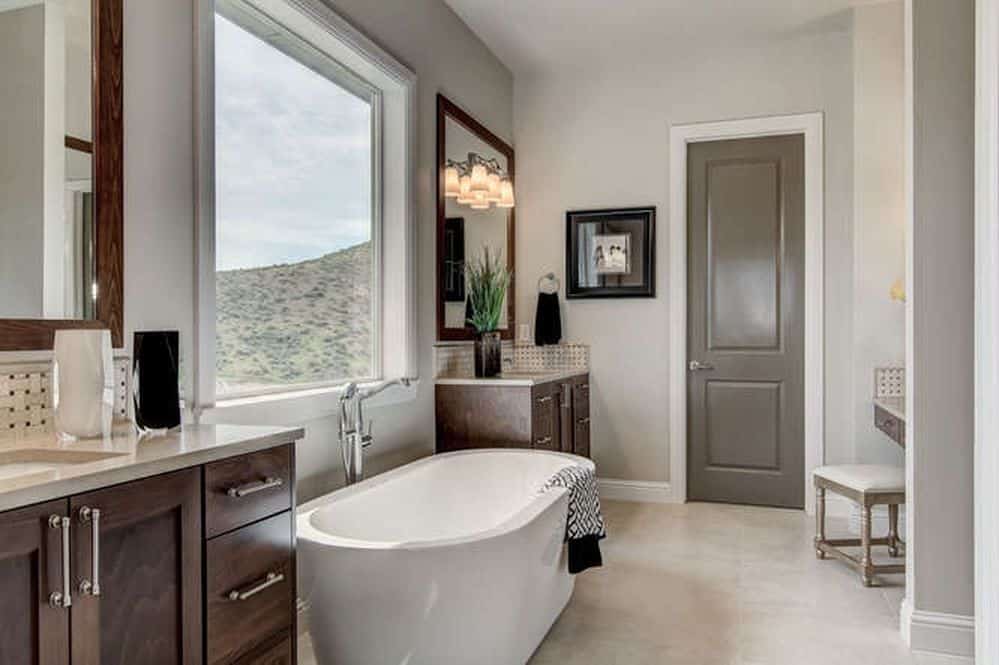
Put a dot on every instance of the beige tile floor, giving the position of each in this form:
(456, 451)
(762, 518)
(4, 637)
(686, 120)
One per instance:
(707, 584)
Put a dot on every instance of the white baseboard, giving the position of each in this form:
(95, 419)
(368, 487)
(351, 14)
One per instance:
(646, 491)
(947, 638)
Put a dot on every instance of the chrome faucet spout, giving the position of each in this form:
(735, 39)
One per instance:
(354, 434)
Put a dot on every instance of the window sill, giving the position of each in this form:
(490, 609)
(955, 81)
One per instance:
(298, 406)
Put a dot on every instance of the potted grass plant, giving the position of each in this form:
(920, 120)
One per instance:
(486, 280)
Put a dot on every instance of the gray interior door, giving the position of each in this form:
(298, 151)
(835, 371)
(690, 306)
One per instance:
(745, 321)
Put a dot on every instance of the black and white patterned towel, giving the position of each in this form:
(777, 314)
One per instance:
(584, 525)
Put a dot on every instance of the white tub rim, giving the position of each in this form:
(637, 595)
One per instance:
(309, 533)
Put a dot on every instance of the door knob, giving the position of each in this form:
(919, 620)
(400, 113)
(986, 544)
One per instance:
(697, 366)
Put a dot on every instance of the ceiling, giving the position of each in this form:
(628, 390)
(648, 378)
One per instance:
(539, 35)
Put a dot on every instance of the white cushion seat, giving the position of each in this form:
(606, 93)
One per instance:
(864, 477)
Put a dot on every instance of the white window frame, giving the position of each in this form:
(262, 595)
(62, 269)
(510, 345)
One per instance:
(352, 60)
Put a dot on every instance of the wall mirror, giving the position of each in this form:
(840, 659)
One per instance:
(464, 231)
(60, 169)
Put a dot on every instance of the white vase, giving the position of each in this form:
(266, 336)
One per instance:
(83, 383)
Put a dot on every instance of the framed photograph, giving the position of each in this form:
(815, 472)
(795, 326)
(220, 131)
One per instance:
(611, 253)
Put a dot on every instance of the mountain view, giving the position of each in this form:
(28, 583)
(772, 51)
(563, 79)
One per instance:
(295, 323)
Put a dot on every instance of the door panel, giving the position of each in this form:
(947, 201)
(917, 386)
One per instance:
(745, 303)
(149, 609)
(743, 245)
(743, 422)
(32, 631)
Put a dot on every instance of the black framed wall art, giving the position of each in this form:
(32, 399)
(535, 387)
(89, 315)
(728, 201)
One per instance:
(611, 253)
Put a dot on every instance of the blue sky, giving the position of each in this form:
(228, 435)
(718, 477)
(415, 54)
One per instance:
(293, 170)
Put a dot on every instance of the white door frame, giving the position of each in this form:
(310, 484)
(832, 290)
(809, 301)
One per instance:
(811, 126)
(986, 332)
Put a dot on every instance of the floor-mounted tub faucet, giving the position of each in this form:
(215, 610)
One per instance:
(355, 435)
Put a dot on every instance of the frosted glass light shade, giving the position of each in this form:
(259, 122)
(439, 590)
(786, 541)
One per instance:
(452, 184)
(83, 383)
(506, 195)
(480, 201)
(465, 190)
(480, 178)
(494, 188)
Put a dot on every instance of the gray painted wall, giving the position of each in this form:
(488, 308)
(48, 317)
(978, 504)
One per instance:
(159, 186)
(878, 214)
(941, 263)
(22, 107)
(596, 138)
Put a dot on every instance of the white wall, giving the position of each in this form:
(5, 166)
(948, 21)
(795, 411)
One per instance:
(878, 214)
(594, 138)
(159, 187)
(940, 258)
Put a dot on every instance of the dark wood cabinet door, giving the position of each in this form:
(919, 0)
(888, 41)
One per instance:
(32, 632)
(149, 539)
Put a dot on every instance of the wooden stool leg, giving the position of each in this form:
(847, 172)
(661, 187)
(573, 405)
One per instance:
(820, 521)
(893, 530)
(866, 564)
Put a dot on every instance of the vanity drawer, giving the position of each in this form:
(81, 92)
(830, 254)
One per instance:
(279, 652)
(545, 404)
(890, 425)
(244, 489)
(250, 588)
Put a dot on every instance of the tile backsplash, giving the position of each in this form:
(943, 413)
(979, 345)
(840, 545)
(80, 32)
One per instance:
(458, 360)
(26, 396)
(889, 382)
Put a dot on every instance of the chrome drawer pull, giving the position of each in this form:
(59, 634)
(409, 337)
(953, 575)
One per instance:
(543, 441)
(62, 598)
(546, 398)
(92, 587)
(245, 490)
(584, 421)
(267, 582)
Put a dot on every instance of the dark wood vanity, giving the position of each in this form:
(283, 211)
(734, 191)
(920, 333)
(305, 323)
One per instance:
(548, 415)
(194, 566)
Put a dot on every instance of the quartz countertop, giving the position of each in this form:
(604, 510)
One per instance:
(893, 405)
(128, 456)
(512, 378)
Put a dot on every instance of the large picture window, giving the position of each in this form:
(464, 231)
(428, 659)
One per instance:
(296, 214)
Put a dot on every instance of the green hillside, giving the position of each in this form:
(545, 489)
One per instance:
(295, 323)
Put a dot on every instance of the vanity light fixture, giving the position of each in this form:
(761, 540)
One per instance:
(478, 182)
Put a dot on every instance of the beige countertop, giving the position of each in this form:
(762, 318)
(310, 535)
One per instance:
(39, 468)
(512, 378)
(893, 405)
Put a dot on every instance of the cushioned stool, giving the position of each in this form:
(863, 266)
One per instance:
(867, 485)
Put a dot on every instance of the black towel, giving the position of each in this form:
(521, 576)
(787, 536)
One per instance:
(547, 320)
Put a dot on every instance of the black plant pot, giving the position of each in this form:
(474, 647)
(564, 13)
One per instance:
(488, 352)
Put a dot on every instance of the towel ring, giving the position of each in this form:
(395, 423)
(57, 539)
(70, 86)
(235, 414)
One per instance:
(553, 284)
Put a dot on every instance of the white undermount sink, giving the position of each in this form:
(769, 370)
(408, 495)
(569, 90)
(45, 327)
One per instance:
(28, 461)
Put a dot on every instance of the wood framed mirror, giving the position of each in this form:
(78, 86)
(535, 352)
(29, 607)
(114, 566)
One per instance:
(62, 208)
(463, 232)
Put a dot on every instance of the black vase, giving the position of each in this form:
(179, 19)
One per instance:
(155, 370)
(488, 354)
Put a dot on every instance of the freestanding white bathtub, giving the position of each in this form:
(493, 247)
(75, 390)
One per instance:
(453, 559)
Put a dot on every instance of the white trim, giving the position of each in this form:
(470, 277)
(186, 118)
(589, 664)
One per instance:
(612, 489)
(370, 62)
(811, 126)
(939, 634)
(987, 330)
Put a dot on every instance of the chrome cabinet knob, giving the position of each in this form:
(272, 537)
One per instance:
(698, 366)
